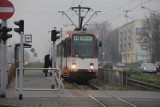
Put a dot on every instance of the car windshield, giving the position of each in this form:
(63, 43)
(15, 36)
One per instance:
(149, 64)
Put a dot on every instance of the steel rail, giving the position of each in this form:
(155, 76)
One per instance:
(144, 85)
(94, 98)
(132, 105)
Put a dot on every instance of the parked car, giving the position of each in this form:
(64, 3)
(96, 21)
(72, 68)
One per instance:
(107, 64)
(120, 65)
(100, 64)
(147, 68)
(157, 64)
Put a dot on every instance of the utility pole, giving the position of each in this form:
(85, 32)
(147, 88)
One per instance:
(126, 56)
(126, 11)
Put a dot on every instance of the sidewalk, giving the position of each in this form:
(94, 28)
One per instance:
(69, 98)
(36, 79)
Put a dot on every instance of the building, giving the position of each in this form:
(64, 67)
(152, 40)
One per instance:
(131, 39)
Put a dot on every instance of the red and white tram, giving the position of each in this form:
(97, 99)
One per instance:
(77, 55)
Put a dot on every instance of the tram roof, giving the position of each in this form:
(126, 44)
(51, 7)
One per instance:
(66, 34)
(83, 32)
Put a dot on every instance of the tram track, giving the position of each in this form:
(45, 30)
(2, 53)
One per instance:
(93, 87)
(144, 85)
(116, 97)
(102, 103)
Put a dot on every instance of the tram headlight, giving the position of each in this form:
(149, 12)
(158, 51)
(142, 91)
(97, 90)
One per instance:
(73, 66)
(91, 66)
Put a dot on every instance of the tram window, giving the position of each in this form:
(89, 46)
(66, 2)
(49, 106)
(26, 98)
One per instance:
(67, 48)
(83, 46)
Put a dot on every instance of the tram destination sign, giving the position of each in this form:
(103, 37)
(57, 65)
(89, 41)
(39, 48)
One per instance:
(83, 38)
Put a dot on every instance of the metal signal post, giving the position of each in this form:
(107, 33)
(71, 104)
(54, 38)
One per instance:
(54, 37)
(20, 30)
(7, 11)
(3, 62)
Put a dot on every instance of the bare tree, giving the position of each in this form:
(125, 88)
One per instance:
(112, 47)
(151, 38)
(103, 30)
(154, 25)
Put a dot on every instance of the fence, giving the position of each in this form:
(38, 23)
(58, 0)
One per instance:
(34, 80)
(116, 77)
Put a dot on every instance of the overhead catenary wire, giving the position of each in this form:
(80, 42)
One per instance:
(72, 4)
(140, 5)
(81, 2)
(113, 18)
(121, 6)
(125, 4)
(72, 11)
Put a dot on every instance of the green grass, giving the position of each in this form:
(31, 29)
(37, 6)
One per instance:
(150, 78)
(34, 65)
(135, 74)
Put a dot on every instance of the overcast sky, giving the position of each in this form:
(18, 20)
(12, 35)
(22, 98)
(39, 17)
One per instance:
(41, 16)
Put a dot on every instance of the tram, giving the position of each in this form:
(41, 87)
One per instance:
(77, 55)
(77, 50)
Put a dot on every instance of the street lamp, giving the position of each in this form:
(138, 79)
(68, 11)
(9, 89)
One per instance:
(147, 9)
(126, 48)
(150, 35)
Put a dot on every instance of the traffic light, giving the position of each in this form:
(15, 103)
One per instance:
(54, 36)
(4, 33)
(19, 23)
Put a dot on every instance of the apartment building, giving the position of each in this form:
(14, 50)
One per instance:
(131, 36)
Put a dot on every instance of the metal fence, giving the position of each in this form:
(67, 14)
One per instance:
(116, 77)
(33, 80)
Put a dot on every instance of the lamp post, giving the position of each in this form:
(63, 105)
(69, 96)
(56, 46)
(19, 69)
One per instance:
(126, 47)
(150, 33)
(147, 9)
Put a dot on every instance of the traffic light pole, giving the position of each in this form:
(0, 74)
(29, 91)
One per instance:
(3, 65)
(53, 65)
(20, 30)
(21, 66)
(54, 37)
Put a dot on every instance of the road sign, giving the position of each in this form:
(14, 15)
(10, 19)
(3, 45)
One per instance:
(28, 38)
(32, 50)
(6, 9)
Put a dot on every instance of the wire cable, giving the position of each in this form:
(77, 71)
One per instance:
(140, 5)
(130, 9)
(72, 4)
(121, 6)
(115, 17)
(81, 2)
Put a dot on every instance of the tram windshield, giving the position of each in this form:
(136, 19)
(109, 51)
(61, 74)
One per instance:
(83, 46)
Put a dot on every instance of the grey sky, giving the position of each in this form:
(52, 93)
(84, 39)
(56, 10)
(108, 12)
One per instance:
(41, 16)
